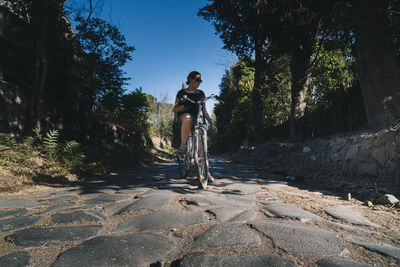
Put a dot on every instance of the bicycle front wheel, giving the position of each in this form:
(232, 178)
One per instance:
(184, 160)
(201, 160)
(183, 169)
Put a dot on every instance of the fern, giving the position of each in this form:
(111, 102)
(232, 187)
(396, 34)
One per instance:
(38, 135)
(33, 141)
(50, 144)
(10, 142)
(71, 154)
(29, 141)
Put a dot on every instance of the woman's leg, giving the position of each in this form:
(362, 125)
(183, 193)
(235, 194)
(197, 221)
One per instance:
(186, 125)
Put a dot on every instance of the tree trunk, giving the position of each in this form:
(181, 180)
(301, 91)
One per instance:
(259, 83)
(36, 105)
(376, 61)
(300, 69)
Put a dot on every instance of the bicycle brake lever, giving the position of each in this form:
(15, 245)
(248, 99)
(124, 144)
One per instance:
(218, 99)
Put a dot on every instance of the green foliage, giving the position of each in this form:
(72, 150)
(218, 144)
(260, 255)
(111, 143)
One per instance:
(277, 96)
(67, 154)
(105, 52)
(335, 102)
(50, 144)
(71, 154)
(10, 142)
(233, 116)
(333, 105)
(33, 141)
(162, 117)
(133, 112)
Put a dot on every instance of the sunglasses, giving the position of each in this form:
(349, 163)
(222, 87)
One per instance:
(198, 80)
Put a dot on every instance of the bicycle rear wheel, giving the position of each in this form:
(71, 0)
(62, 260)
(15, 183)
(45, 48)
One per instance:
(201, 159)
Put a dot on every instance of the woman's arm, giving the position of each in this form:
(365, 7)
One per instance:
(209, 119)
(178, 107)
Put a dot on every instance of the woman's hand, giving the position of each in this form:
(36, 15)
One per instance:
(215, 130)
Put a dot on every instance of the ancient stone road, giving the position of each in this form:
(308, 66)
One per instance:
(149, 217)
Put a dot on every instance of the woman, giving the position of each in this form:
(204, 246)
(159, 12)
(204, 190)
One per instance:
(188, 111)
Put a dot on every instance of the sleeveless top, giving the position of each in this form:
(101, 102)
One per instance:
(189, 106)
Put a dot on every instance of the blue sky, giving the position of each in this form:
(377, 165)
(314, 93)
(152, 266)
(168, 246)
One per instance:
(170, 41)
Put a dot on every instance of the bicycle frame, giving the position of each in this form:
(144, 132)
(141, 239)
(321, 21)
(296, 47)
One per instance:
(198, 133)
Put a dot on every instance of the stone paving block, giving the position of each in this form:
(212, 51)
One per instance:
(105, 198)
(337, 262)
(62, 207)
(350, 214)
(227, 235)
(198, 259)
(274, 187)
(294, 194)
(18, 203)
(351, 229)
(233, 214)
(38, 237)
(161, 220)
(153, 193)
(147, 203)
(245, 188)
(140, 249)
(69, 191)
(396, 233)
(376, 246)
(215, 201)
(16, 259)
(7, 213)
(267, 197)
(132, 190)
(300, 239)
(64, 198)
(18, 223)
(78, 216)
(280, 210)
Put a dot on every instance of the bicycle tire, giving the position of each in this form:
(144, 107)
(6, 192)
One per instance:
(201, 161)
(183, 172)
(184, 160)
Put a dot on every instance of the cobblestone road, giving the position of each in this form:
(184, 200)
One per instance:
(149, 217)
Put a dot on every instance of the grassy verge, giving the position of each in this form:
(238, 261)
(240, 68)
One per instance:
(46, 160)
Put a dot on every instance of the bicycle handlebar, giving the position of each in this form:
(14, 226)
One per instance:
(184, 97)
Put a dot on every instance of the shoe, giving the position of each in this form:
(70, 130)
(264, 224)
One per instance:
(210, 178)
(182, 149)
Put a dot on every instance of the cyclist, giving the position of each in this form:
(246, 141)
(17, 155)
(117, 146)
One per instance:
(187, 111)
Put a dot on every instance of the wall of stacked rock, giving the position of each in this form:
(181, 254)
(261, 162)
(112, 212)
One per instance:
(370, 154)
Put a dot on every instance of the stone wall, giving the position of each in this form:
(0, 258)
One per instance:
(375, 154)
(361, 155)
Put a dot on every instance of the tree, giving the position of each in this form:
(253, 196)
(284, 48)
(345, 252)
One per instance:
(233, 116)
(302, 28)
(243, 29)
(43, 46)
(104, 52)
(272, 29)
(133, 112)
(376, 60)
(162, 117)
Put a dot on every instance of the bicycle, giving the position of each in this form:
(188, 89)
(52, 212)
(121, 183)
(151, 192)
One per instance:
(197, 142)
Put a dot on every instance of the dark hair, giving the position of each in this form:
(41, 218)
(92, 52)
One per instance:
(192, 75)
